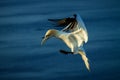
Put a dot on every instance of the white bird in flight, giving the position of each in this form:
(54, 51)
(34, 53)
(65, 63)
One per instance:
(74, 39)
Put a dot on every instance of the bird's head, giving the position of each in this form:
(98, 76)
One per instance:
(50, 33)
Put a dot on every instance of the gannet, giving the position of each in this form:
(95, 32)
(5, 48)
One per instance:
(74, 40)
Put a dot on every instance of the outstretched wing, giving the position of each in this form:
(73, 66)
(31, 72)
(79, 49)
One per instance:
(72, 24)
(81, 27)
(68, 23)
(63, 21)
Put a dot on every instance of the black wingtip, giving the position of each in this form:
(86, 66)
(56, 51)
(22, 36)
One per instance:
(64, 52)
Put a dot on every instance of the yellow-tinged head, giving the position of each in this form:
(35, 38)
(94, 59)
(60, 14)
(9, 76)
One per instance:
(50, 33)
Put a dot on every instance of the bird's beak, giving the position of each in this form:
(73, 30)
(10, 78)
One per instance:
(43, 40)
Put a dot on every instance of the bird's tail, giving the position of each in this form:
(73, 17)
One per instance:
(85, 59)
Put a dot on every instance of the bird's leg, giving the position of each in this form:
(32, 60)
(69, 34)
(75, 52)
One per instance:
(65, 52)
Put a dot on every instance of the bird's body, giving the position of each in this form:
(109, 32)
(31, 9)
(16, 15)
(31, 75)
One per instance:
(73, 40)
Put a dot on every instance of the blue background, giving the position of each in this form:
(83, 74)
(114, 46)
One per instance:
(24, 22)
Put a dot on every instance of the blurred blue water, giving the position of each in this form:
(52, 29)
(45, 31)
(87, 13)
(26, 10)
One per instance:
(24, 22)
